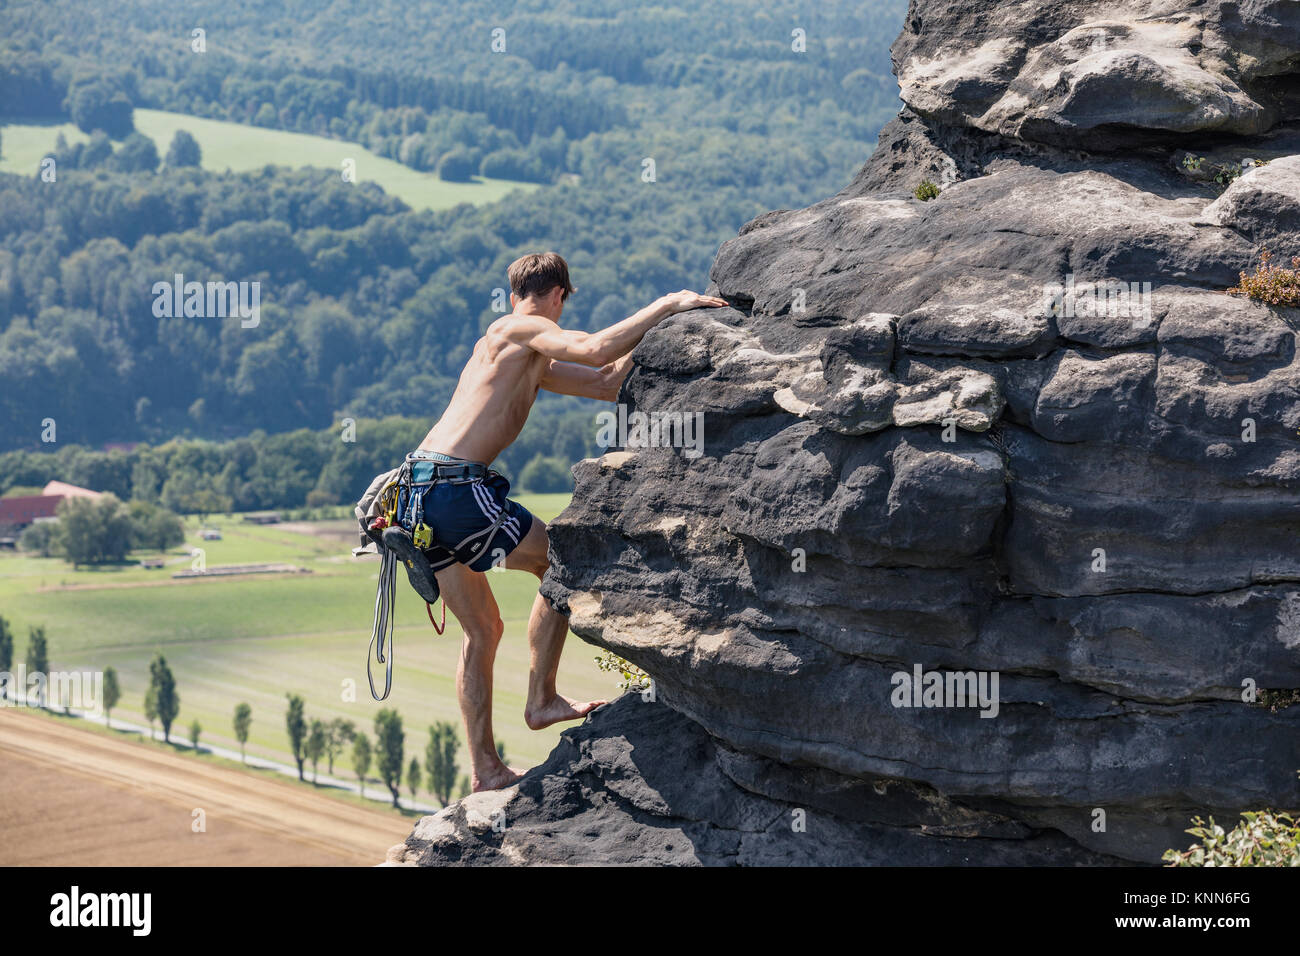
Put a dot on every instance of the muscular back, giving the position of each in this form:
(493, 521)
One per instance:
(495, 392)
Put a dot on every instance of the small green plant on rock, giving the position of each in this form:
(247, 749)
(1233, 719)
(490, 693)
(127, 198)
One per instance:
(1270, 284)
(1260, 839)
(926, 191)
(1227, 173)
(1276, 700)
(634, 679)
(1224, 173)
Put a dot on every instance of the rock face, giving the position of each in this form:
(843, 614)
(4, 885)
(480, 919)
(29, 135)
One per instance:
(1072, 71)
(1018, 434)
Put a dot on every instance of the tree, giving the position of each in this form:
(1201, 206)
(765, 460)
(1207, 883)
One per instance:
(95, 153)
(457, 166)
(155, 528)
(184, 150)
(243, 721)
(512, 164)
(361, 759)
(546, 473)
(440, 759)
(388, 730)
(118, 116)
(337, 733)
(95, 106)
(6, 646)
(413, 776)
(195, 730)
(315, 747)
(137, 154)
(112, 694)
(95, 530)
(463, 790)
(501, 749)
(41, 537)
(151, 707)
(167, 701)
(297, 726)
(38, 661)
(186, 491)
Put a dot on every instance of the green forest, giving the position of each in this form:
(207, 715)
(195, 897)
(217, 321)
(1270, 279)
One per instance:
(368, 308)
(288, 469)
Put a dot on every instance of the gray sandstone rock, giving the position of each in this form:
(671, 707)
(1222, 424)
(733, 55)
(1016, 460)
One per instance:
(1021, 430)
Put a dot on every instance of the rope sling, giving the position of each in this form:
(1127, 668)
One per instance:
(388, 500)
(381, 633)
(385, 595)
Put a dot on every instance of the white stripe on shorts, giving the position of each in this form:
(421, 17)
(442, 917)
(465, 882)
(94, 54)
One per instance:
(491, 509)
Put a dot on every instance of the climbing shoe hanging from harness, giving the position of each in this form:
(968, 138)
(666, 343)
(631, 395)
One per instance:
(400, 542)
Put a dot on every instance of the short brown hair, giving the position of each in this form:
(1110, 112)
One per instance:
(538, 273)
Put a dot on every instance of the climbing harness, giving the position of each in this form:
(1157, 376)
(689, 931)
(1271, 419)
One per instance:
(394, 503)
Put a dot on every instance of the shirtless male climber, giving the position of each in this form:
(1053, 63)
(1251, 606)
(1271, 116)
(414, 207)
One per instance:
(518, 354)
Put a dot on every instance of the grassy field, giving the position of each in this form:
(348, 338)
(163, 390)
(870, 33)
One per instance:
(234, 146)
(256, 638)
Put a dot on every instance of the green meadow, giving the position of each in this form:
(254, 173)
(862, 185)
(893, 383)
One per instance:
(237, 147)
(256, 638)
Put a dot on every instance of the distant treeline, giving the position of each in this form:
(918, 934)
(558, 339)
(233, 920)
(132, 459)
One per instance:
(461, 83)
(294, 469)
(366, 309)
(664, 130)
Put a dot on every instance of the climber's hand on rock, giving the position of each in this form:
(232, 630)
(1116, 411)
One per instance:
(685, 300)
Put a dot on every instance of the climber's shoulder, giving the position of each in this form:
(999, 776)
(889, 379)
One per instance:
(514, 337)
(519, 329)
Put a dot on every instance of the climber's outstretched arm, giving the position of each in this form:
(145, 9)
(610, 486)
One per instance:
(598, 349)
(569, 378)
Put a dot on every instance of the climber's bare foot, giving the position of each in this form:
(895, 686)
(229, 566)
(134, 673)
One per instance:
(558, 708)
(496, 779)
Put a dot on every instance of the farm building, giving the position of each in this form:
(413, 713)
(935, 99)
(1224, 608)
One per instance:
(21, 511)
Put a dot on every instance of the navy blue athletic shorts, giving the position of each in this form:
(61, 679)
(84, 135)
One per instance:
(460, 513)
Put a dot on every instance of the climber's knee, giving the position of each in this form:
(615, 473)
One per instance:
(531, 555)
(534, 565)
(483, 633)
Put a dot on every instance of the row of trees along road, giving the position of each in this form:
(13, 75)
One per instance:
(312, 739)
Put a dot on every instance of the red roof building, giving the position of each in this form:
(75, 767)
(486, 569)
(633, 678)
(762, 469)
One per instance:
(16, 512)
(62, 489)
(19, 512)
